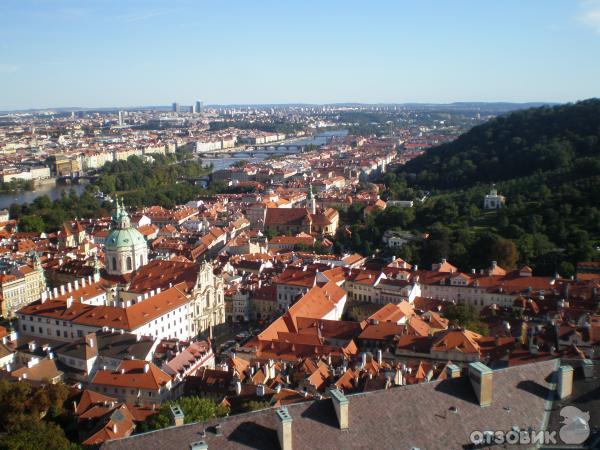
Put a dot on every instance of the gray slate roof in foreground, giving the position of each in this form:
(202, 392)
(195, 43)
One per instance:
(417, 416)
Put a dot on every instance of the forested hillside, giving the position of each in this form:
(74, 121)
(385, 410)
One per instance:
(546, 161)
(548, 139)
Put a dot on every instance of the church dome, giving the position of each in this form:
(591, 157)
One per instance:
(128, 237)
(125, 248)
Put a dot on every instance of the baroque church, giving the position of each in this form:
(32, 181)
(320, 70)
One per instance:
(132, 275)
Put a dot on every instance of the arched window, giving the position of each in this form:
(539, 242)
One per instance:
(114, 263)
(129, 263)
(141, 260)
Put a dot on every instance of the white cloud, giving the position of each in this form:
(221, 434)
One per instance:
(590, 14)
(8, 68)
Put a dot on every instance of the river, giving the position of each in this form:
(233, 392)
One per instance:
(51, 190)
(318, 139)
(55, 191)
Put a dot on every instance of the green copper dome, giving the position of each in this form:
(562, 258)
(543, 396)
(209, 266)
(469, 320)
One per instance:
(123, 235)
(120, 238)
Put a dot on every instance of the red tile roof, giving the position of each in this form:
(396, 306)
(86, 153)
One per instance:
(133, 374)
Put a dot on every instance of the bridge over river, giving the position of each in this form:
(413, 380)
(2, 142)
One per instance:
(251, 151)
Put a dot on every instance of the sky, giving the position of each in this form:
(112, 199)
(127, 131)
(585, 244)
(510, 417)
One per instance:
(102, 53)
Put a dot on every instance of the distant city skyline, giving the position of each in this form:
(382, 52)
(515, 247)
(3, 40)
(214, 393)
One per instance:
(140, 53)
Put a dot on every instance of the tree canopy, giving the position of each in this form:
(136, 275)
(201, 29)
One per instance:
(545, 161)
(195, 409)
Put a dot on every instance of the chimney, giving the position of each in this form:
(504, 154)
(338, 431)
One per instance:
(379, 356)
(340, 404)
(588, 368)
(398, 377)
(69, 287)
(452, 371)
(284, 428)
(62, 289)
(564, 386)
(83, 282)
(69, 302)
(238, 387)
(114, 428)
(177, 415)
(260, 390)
(76, 284)
(199, 445)
(363, 361)
(146, 367)
(480, 376)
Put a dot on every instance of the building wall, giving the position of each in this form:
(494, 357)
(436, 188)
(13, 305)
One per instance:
(133, 395)
(22, 291)
(287, 295)
(138, 255)
(209, 301)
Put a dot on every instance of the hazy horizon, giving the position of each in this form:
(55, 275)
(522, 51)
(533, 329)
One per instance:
(245, 105)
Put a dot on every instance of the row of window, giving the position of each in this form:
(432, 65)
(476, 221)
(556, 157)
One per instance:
(128, 262)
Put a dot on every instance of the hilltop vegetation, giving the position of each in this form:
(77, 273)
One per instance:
(546, 161)
(563, 139)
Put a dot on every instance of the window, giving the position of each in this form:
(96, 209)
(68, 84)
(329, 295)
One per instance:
(114, 263)
(129, 263)
(141, 260)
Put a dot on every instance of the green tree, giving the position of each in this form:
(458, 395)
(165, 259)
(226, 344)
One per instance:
(195, 409)
(504, 251)
(466, 316)
(13, 397)
(32, 434)
(32, 224)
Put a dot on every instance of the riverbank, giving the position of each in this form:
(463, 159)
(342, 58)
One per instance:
(52, 190)
(319, 139)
